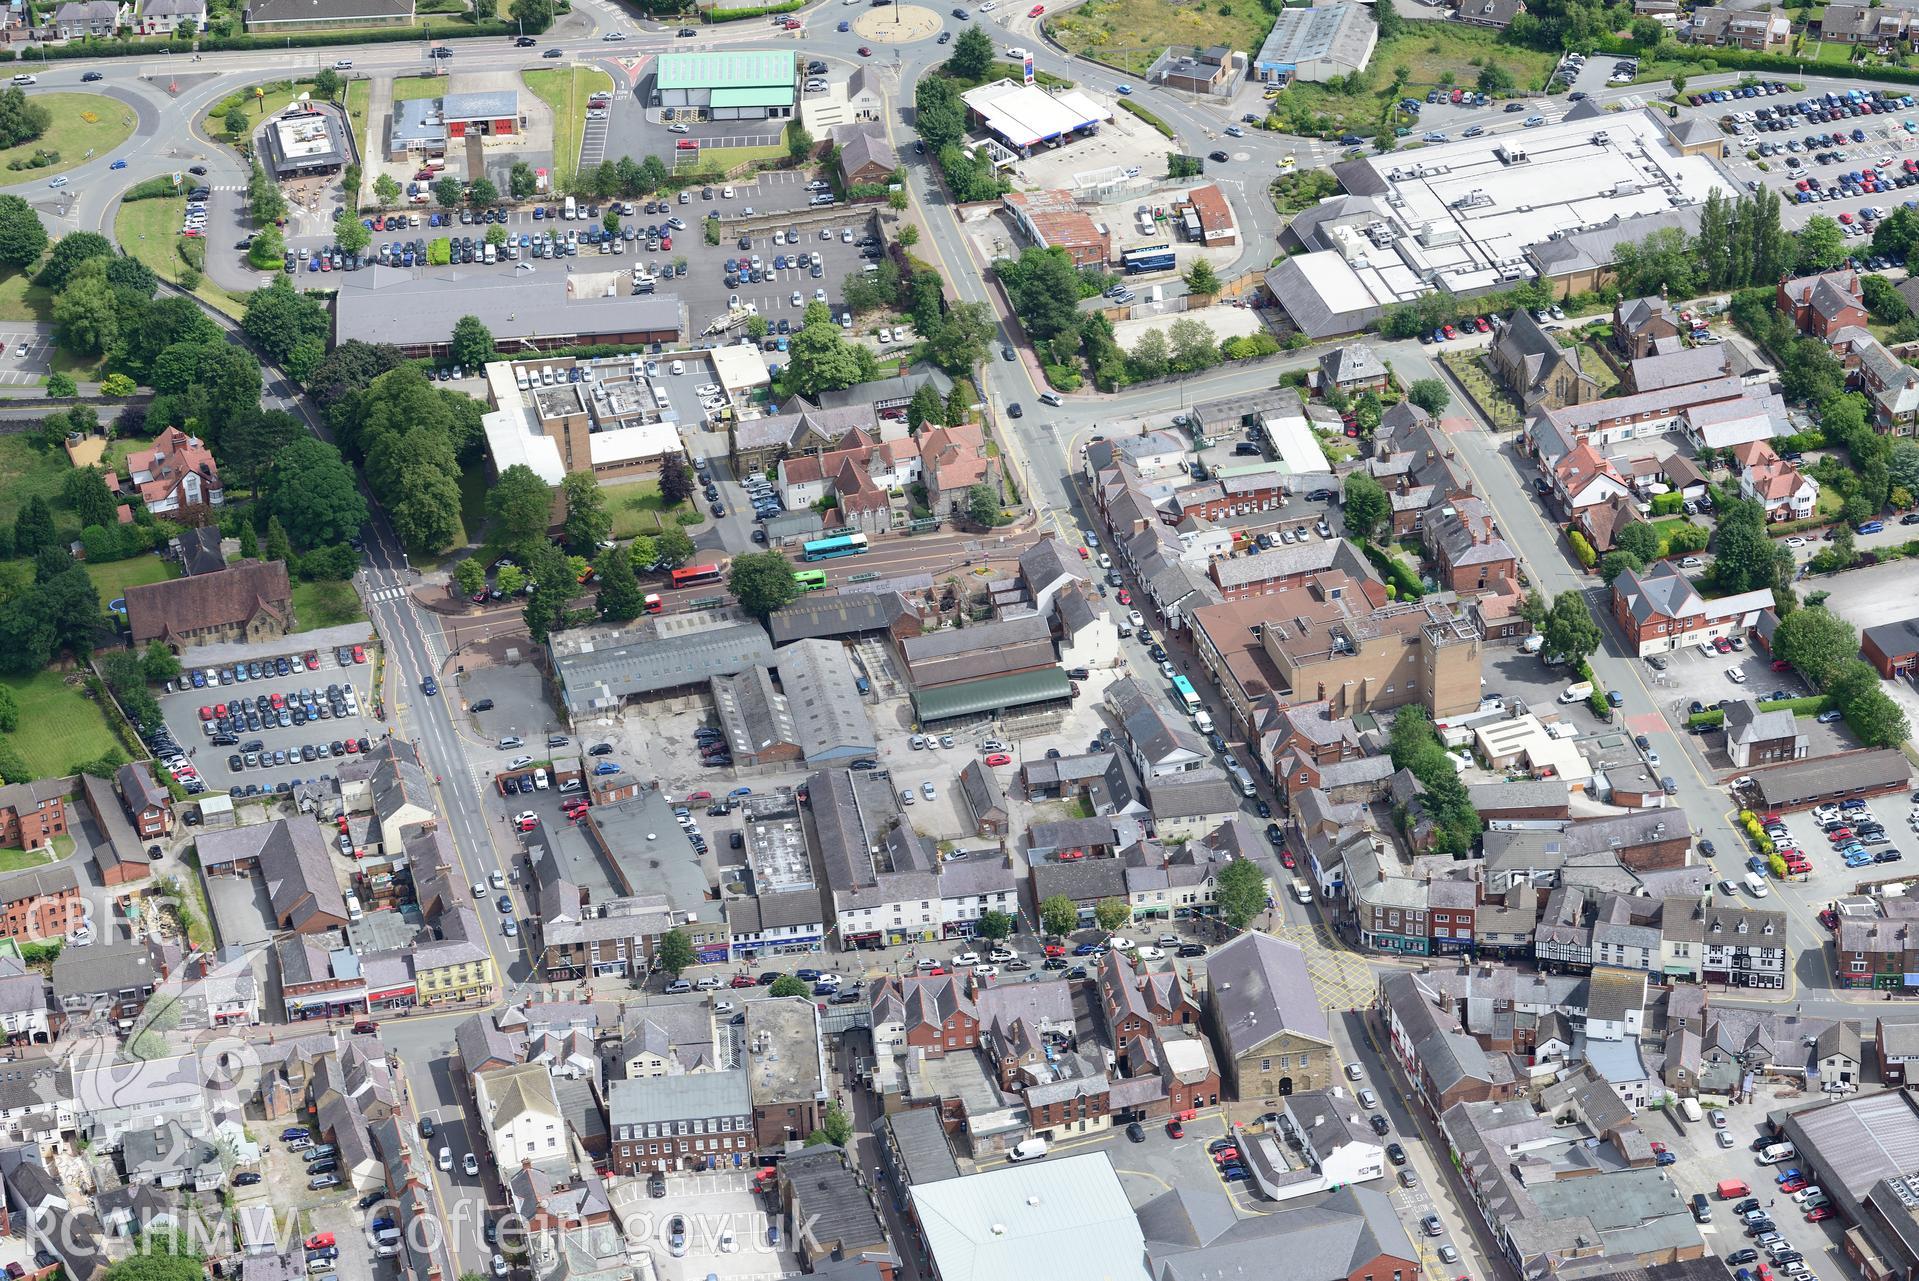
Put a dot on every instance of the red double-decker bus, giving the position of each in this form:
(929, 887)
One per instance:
(694, 575)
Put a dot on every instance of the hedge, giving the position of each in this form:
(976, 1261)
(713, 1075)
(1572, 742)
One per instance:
(765, 11)
(1811, 705)
(1129, 105)
(1405, 585)
(152, 189)
(118, 48)
(1772, 65)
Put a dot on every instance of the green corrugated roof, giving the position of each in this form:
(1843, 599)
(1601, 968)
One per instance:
(1018, 690)
(763, 96)
(746, 69)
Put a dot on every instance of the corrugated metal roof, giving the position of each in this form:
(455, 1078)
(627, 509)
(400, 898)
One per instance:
(1017, 690)
(757, 96)
(723, 71)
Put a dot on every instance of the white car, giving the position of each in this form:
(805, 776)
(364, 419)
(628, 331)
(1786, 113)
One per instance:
(471, 1165)
(519, 762)
(819, 295)
(798, 299)
(708, 389)
(677, 127)
(1016, 53)
(1813, 1193)
(525, 816)
(446, 1159)
(998, 954)
(1121, 942)
(1151, 954)
(1706, 649)
(1691, 562)
(479, 889)
(966, 958)
(499, 1265)
(498, 878)
(726, 193)
(729, 1243)
(1736, 676)
(1137, 619)
(1795, 541)
(61, 181)
(986, 971)
(1652, 759)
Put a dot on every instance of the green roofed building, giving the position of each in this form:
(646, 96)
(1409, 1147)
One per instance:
(749, 84)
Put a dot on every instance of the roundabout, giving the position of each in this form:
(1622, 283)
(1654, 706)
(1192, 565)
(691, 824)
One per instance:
(898, 24)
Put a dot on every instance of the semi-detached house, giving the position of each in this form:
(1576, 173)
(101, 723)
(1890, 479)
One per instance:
(1660, 610)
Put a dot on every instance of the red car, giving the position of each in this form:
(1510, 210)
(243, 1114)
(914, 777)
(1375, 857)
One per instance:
(999, 758)
(1781, 665)
(688, 144)
(1036, 11)
(1819, 1215)
(1449, 331)
(936, 971)
(206, 713)
(1174, 1130)
(744, 980)
(1286, 858)
(701, 795)
(320, 1240)
(1084, 554)
(865, 52)
(1125, 597)
(1225, 1154)
(1479, 323)
(1829, 919)
(359, 653)
(1054, 949)
(366, 1027)
(1792, 1185)
(1846, 218)
(1839, 835)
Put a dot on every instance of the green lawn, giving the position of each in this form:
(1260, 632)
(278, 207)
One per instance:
(15, 859)
(1597, 369)
(113, 578)
(83, 125)
(150, 231)
(279, 95)
(566, 91)
(731, 162)
(326, 605)
(410, 88)
(636, 509)
(1830, 503)
(60, 727)
(1131, 33)
(22, 300)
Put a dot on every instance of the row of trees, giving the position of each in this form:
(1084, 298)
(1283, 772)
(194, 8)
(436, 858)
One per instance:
(409, 437)
(1416, 747)
(1825, 649)
(940, 119)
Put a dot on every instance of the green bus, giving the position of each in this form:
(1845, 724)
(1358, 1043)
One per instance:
(810, 580)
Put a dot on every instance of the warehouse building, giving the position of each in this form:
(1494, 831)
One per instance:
(541, 311)
(1317, 44)
(598, 669)
(751, 84)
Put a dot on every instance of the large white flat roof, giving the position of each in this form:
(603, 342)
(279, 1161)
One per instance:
(1024, 114)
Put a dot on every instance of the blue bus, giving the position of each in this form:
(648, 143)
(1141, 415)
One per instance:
(1188, 696)
(828, 548)
(1147, 258)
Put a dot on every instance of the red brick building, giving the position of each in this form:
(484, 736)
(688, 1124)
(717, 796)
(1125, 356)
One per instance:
(1823, 305)
(148, 806)
(936, 1014)
(32, 814)
(41, 903)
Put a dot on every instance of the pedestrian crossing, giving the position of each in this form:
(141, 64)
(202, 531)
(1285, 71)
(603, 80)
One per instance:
(387, 593)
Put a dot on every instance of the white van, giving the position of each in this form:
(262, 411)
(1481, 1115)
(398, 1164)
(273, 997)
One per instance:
(1756, 885)
(520, 377)
(1576, 692)
(570, 209)
(353, 912)
(1532, 644)
(1027, 1150)
(1302, 891)
(1689, 1108)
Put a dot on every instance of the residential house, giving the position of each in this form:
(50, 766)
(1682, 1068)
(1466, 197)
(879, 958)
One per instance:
(1469, 556)
(1536, 369)
(1352, 369)
(1784, 491)
(866, 157)
(148, 806)
(1891, 384)
(1743, 947)
(32, 814)
(176, 474)
(519, 1112)
(1822, 305)
(786, 1072)
(1866, 24)
(1602, 521)
(952, 461)
(80, 18)
(1639, 323)
(1582, 478)
(1660, 610)
(1754, 737)
(38, 903)
(164, 17)
(1759, 30)
(1447, 1065)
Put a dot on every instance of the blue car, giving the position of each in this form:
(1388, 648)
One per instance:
(845, 26)
(1666, 1158)
(118, 164)
(1124, 90)
(1872, 526)
(313, 264)
(741, 791)
(429, 687)
(606, 767)
(1085, 949)
(1756, 864)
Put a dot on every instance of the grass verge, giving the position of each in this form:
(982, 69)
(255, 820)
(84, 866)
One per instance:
(14, 859)
(150, 231)
(359, 101)
(411, 88)
(84, 125)
(566, 90)
(326, 604)
(636, 508)
(25, 471)
(1435, 55)
(22, 300)
(59, 725)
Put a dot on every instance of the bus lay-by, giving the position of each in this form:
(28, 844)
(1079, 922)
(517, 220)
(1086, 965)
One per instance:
(827, 548)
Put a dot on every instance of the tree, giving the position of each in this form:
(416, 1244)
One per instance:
(1151, 355)
(534, 16)
(425, 508)
(481, 191)
(994, 924)
(472, 342)
(1822, 243)
(279, 316)
(87, 494)
(518, 508)
(1618, 561)
(279, 545)
(86, 314)
(1883, 300)
(674, 953)
(1570, 630)
(1241, 892)
(819, 358)
(448, 191)
(1429, 394)
(675, 546)
(251, 443)
(1045, 288)
(1366, 505)
(1532, 608)
(588, 524)
(799, 144)
(972, 56)
(313, 493)
(265, 201)
(33, 527)
(1815, 641)
(620, 595)
(1495, 81)
(554, 582)
(238, 124)
(787, 985)
(1200, 278)
(836, 1128)
(1059, 915)
(958, 339)
(327, 83)
(762, 582)
(1641, 539)
(10, 710)
(469, 576)
(1746, 559)
(982, 506)
(1663, 261)
(1877, 720)
(909, 235)
(522, 182)
(23, 238)
(387, 190)
(676, 480)
(1111, 913)
(510, 579)
(927, 406)
(351, 234)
